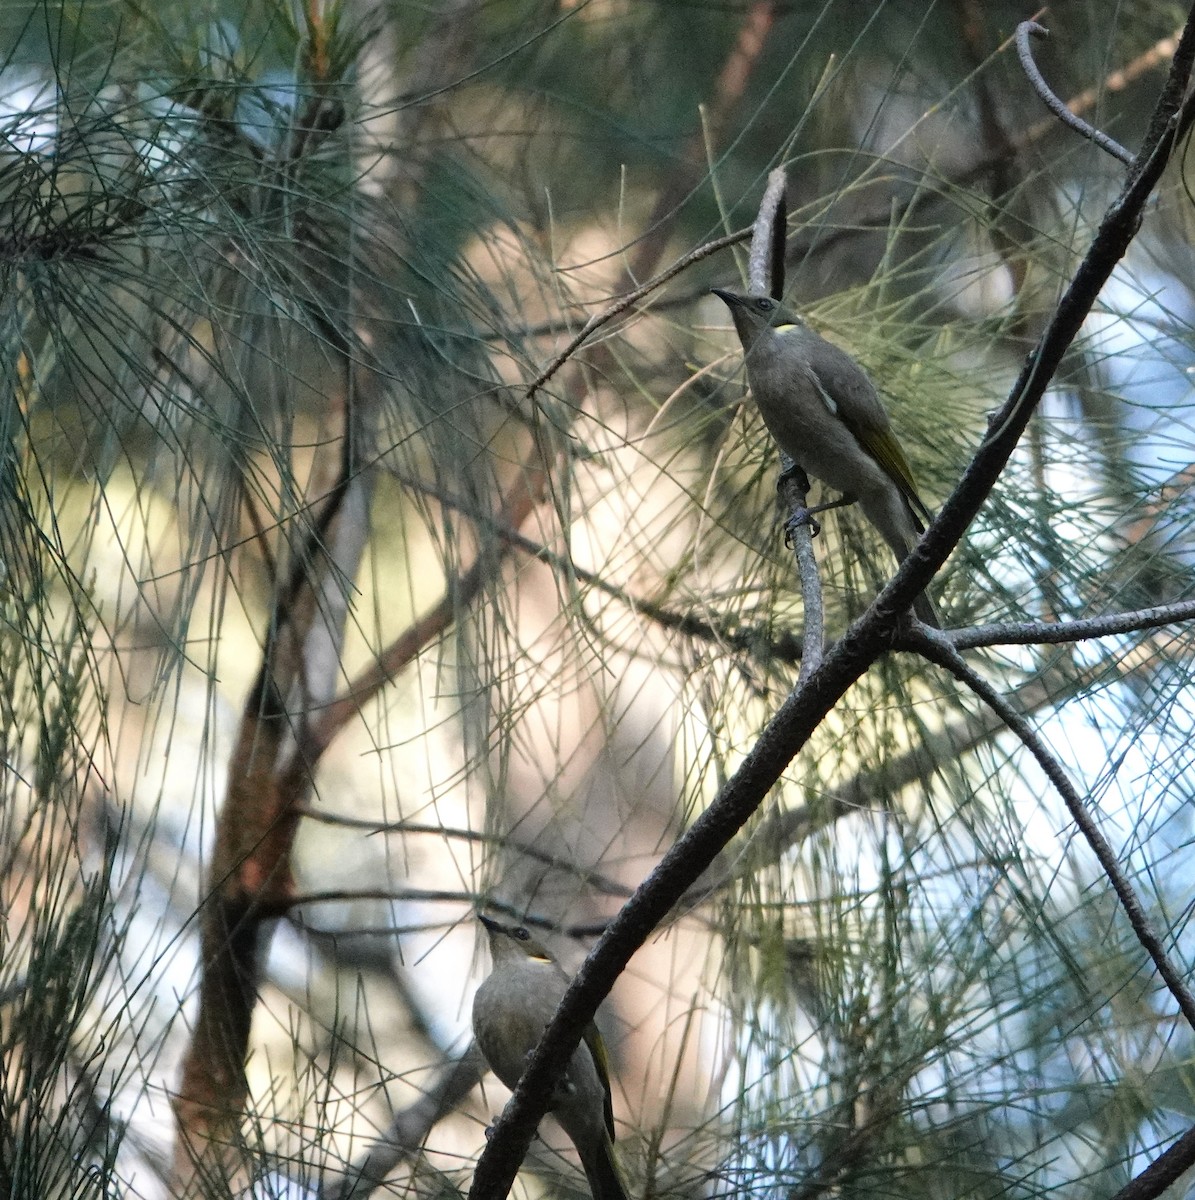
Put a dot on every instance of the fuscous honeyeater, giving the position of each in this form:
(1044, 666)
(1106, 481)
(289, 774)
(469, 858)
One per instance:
(510, 1012)
(822, 409)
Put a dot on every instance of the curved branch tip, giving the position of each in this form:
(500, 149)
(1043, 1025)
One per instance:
(1055, 104)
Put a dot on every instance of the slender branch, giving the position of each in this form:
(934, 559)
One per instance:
(340, 895)
(759, 641)
(765, 268)
(1057, 633)
(1054, 103)
(514, 509)
(434, 896)
(250, 875)
(940, 652)
(1163, 1171)
(594, 879)
(794, 493)
(629, 300)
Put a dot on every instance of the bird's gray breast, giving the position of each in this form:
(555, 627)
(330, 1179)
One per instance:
(801, 406)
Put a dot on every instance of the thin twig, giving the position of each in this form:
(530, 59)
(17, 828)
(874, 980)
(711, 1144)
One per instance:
(461, 591)
(758, 640)
(1054, 103)
(408, 1128)
(794, 495)
(1059, 633)
(764, 273)
(629, 300)
(594, 879)
(939, 651)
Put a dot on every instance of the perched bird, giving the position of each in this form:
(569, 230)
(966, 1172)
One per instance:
(510, 1012)
(824, 412)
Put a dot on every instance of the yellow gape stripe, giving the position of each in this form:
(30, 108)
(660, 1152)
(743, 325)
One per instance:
(785, 328)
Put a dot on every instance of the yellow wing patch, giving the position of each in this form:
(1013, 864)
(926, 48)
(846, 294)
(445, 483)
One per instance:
(597, 1050)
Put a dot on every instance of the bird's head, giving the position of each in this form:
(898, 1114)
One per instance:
(755, 313)
(513, 942)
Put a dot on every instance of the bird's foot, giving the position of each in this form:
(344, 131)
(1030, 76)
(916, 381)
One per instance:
(797, 518)
(805, 516)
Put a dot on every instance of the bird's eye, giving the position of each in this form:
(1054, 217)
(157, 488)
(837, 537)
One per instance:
(522, 934)
(764, 305)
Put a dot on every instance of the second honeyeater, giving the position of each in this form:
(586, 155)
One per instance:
(510, 1012)
(826, 415)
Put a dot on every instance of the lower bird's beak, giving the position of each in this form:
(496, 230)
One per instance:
(726, 297)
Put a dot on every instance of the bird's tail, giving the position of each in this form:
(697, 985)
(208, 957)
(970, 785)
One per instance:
(923, 606)
(601, 1170)
(900, 526)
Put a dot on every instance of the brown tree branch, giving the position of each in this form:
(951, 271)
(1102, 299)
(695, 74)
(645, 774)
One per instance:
(250, 878)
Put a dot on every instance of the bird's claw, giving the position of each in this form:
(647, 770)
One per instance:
(799, 517)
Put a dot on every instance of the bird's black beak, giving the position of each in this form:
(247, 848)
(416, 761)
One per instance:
(729, 298)
(492, 925)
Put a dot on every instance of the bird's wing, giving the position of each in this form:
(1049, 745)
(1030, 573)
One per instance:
(885, 449)
(859, 408)
(597, 1050)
